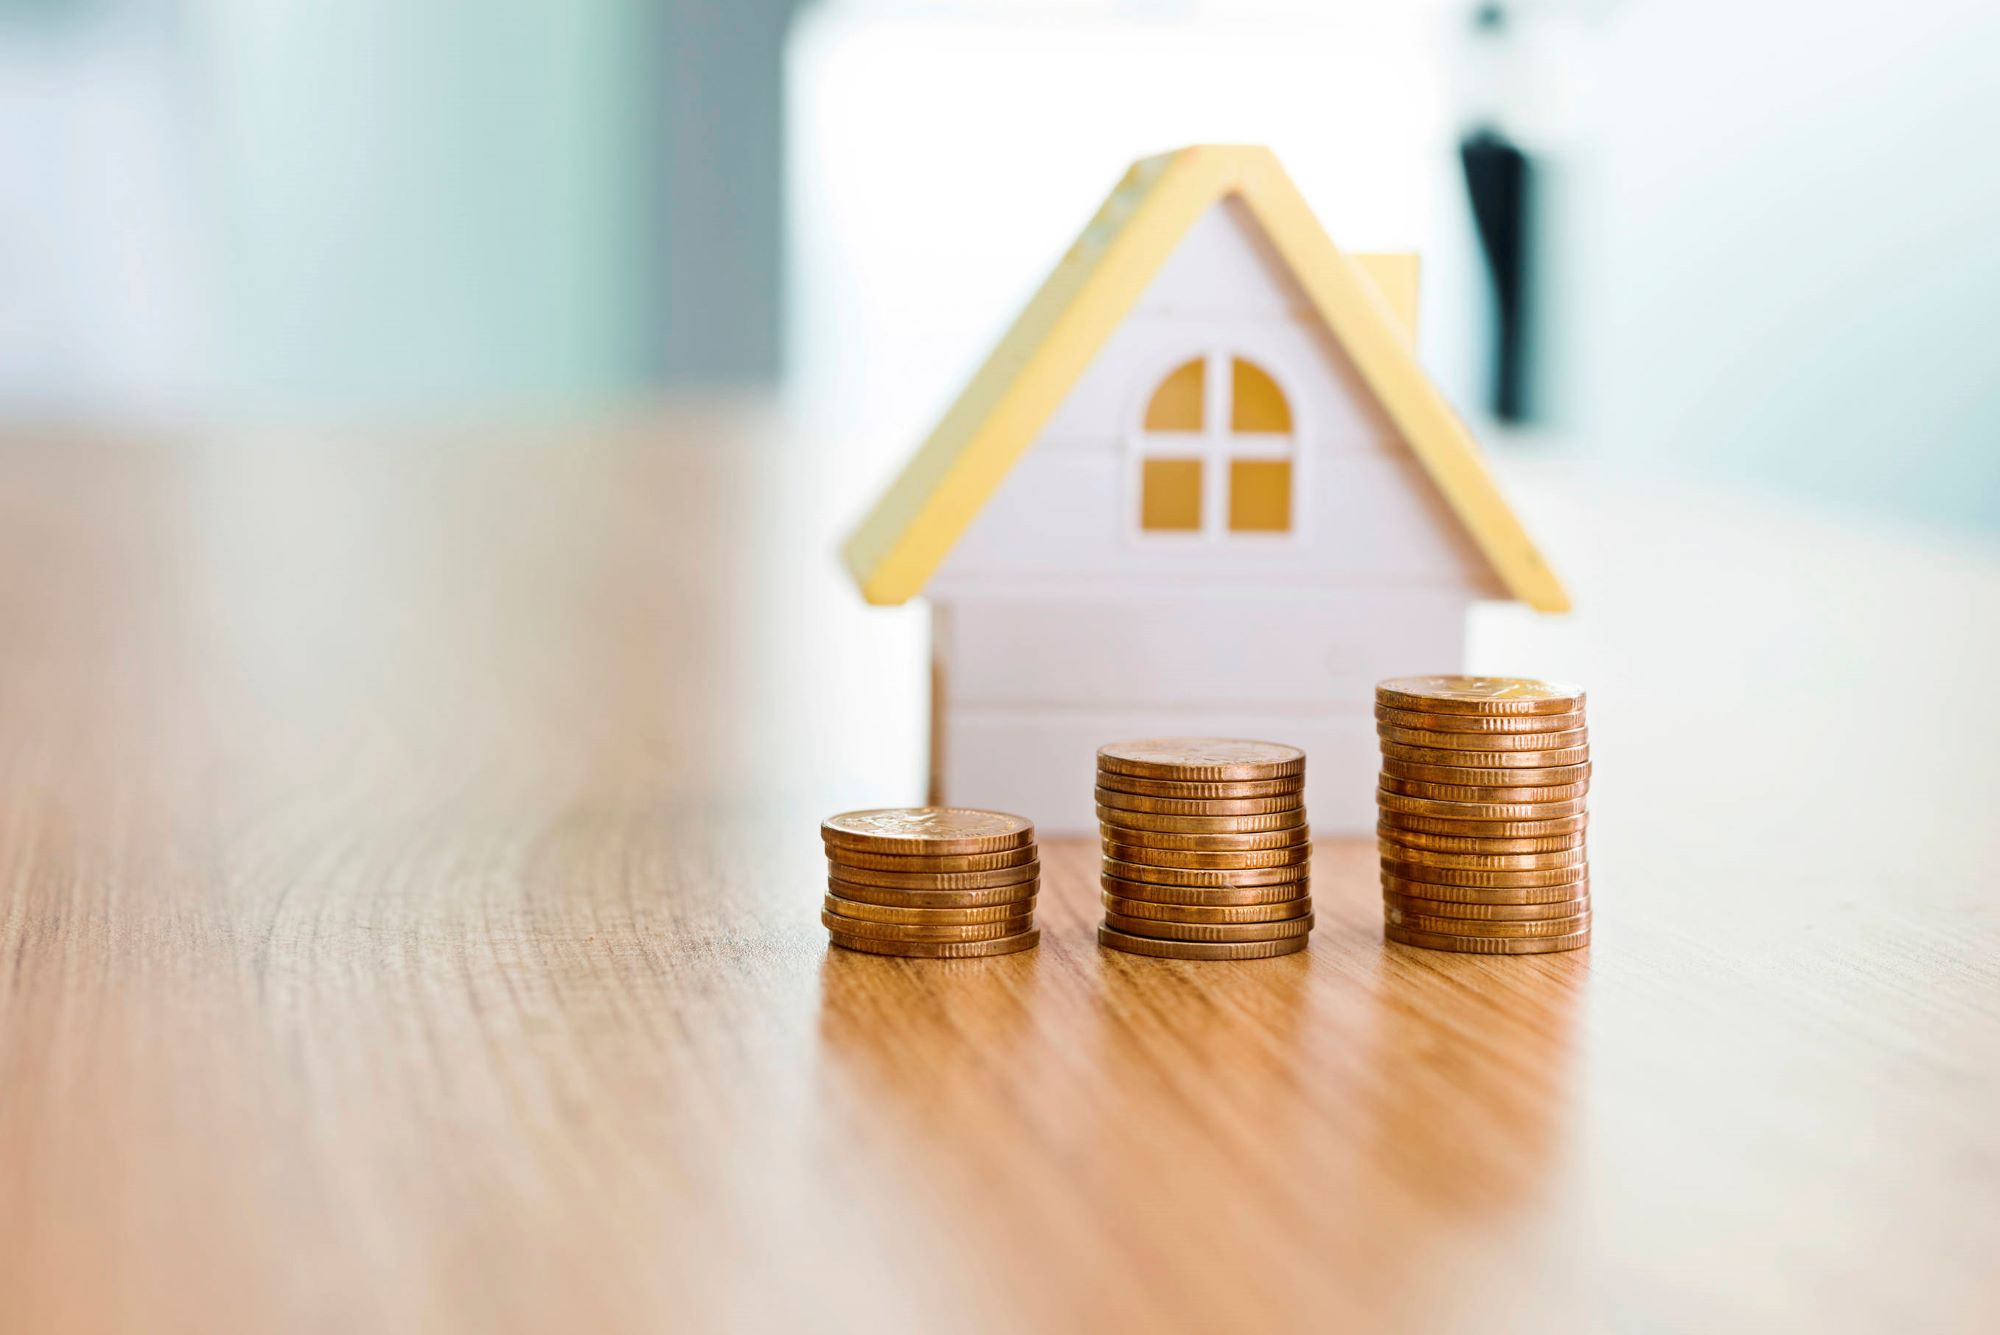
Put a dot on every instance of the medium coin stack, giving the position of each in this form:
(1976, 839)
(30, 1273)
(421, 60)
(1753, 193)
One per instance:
(1206, 848)
(931, 882)
(1481, 814)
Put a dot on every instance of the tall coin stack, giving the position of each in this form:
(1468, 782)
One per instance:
(931, 882)
(1482, 813)
(1206, 848)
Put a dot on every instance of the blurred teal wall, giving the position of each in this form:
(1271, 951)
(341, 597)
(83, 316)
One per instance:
(451, 204)
(1787, 268)
(428, 203)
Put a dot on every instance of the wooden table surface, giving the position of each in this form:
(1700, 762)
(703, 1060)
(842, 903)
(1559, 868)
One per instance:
(409, 890)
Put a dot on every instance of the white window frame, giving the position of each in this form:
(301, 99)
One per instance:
(1216, 445)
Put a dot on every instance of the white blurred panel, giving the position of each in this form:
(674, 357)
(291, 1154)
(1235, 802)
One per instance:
(103, 303)
(940, 165)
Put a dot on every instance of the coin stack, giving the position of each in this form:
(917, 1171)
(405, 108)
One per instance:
(1206, 849)
(1481, 814)
(931, 882)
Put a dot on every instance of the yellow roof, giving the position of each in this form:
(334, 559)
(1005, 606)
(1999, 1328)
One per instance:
(939, 492)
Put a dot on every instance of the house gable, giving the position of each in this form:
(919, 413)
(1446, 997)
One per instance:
(1363, 511)
(942, 490)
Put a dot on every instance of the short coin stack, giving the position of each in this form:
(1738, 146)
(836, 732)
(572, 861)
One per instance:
(1206, 849)
(931, 882)
(1482, 813)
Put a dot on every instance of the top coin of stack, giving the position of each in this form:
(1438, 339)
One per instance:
(935, 882)
(1481, 814)
(1206, 848)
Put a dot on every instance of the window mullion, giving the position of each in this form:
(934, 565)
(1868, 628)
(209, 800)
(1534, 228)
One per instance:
(1215, 441)
(1257, 445)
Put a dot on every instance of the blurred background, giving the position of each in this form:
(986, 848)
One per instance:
(1751, 243)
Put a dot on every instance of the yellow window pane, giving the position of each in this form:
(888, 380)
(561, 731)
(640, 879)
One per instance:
(1255, 402)
(1170, 494)
(1177, 403)
(1260, 495)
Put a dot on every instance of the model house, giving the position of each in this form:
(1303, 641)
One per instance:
(1201, 487)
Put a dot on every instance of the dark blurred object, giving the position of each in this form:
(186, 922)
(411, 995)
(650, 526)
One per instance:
(1498, 179)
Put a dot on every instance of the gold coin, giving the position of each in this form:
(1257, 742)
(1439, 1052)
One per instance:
(1553, 892)
(1207, 759)
(1483, 742)
(921, 917)
(933, 899)
(1216, 913)
(1487, 945)
(1198, 950)
(902, 931)
(1448, 908)
(928, 830)
(1218, 878)
(1469, 793)
(1488, 723)
(1479, 879)
(1292, 836)
(1479, 695)
(1184, 788)
(1469, 779)
(1147, 820)
(851, 857)
(936, 880)
(1484, 829)
(1161, 930)
(1483, 761)
(1501, 811)
(1239, 858)
(937, 950)
(1198, 806)
(1503, 929)
(1477, 843)
(1424, 857)
(1196, 896)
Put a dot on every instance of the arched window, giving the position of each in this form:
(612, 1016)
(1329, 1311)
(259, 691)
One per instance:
(1216, 451)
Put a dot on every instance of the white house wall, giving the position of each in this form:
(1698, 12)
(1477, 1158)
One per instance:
(1276, 649)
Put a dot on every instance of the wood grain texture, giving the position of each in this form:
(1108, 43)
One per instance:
(408, 922)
